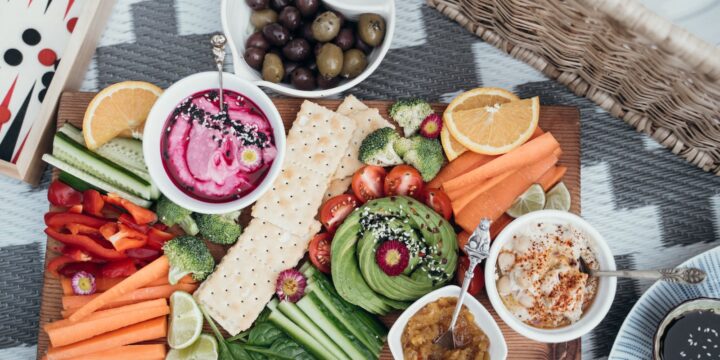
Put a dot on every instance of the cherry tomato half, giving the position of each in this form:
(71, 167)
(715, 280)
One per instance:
(61, 194)
(478, 281)
(439, 201)
(336, 209)
(319, 250)
(404, 180)
(367, 183)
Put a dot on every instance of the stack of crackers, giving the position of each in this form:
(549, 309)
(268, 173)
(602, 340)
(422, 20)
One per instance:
(321, 157)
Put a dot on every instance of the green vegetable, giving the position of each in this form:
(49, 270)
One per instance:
(410, 114)
(188, 255)
(170, 214)
(402, 146)
(426, 155)
(221, 229)
(377, 148)
(297, 333)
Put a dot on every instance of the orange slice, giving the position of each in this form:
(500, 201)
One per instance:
(473, 98)
(119, 109)
(491, 129)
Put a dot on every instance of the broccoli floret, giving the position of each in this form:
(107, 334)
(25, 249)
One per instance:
(426, 155)
(188, 255)
(377, 148)
(221, 229)
(402, 145)
(410, 114)
(171, 214)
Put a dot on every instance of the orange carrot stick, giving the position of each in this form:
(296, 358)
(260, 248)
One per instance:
(66, 284)
(552, 177)
(148, 330)
(104, 283)
(494, 202)
(459, 203)
(156, 269)
(527, 154)
(134, 352)
(75, 302)
(110, 312)
(88, 328)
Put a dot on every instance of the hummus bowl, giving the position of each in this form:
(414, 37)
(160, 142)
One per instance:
(533, 280)
(207, 163)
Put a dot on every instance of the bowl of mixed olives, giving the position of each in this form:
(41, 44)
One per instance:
(308, 48)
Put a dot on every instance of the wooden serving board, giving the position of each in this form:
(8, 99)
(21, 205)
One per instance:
(562, 121)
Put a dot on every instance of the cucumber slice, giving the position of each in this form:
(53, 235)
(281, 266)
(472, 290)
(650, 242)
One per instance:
(69, 151)
(323, 318)
(297, 333)
(298, 317)
(76, 183)
(92, 180)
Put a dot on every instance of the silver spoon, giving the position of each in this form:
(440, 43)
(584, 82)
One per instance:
(478, 249)
(677, 275)
(218, 43)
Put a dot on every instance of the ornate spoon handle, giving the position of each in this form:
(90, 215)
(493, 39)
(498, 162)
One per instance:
(678, 275)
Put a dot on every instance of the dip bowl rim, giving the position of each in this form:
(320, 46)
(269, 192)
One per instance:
(164, 106)
(699, 303)
(483, 319)
(604, 296)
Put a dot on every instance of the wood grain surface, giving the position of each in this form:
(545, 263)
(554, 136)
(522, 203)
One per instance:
(563, 122)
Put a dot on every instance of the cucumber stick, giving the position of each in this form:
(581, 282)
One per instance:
(76, 183)
(74, 154)
(297, 333)
(323, 318)
(298, 317)
(92, 180)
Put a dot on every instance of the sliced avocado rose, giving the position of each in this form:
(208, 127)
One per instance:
(373, 241)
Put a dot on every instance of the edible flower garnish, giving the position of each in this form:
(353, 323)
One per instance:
(290, 285)
(431, 126)
(392, 257)
(83, 283)
(250, 158)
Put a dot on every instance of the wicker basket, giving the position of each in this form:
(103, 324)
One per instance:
(640, 67)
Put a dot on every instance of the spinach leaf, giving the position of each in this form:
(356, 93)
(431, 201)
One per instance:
(264, 334)
(291, 349)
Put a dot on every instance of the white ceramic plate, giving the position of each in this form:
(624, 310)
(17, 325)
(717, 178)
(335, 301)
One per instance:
(498, 347)
(235, 16)
(635, 338)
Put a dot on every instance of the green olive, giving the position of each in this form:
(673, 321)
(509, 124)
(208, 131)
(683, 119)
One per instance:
(354, 62)
(326, 26)
(330, 60)
(371, 29)
(273, 69)
(261, 18)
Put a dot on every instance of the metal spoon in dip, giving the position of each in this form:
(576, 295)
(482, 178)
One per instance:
(218, 43)
(677, 275)
(478, 249)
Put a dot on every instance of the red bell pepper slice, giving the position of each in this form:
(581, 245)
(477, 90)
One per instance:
(82, 229)
(157, 238)
(141, 215)
(143, 255)
(76, 253)
(160, 226)
(122, 236)
(57, 220)
(61, 194)
(74, 267)
(129, 221)
(54, 265)
(93, 202)
(120, 268)
(86, 243)
(76, 209)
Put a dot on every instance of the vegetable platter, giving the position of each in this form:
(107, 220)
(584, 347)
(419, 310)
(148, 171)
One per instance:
(562, 122)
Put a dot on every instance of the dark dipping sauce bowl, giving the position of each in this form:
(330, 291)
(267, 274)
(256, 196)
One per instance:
(689, 331)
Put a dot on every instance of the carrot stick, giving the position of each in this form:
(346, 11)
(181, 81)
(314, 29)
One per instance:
(75, 302)
(552, 177)
(459, 203)
(494, 202)
(528, 153)
(156, 269)
(148, 330)
(110, 312)
(104, 283)
(88, 328)
(134, 352)
(66, 284)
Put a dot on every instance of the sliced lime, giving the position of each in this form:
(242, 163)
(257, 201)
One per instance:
(558, 198)
(186, 320)
(205, 348)
(533, 199)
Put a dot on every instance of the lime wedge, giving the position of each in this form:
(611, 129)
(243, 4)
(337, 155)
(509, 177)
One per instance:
(533, 199)
(186, 320)
(205, 348)
(558, 198)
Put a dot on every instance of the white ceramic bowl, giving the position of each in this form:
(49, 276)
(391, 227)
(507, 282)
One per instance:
(483, 319)
(235, 16)
(606, 286)
(164, 106)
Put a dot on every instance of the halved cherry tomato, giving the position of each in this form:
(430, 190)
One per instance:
(93, 202)
(119, 268)
(336, 209)
(61, 194)
(367, 183)
(478, 281)
(439, 201)
(74, 267)
(404, 180)
(319, 250)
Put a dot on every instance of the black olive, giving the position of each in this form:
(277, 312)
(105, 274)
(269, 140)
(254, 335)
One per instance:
(362, 46)
(257, 40)
(257, 4)
(307, 7)
(341, 17)
(290, 18)
(307, 32)
(327, 83)
(316, 49)
(345, 39)
(297, 49)
(279, 4)
(303, 79)
(290, 66)
(254, 57)
(276, 34)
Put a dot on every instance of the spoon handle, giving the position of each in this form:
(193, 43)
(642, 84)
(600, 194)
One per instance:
(679, 275)
(465, 285)
(218, 43)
